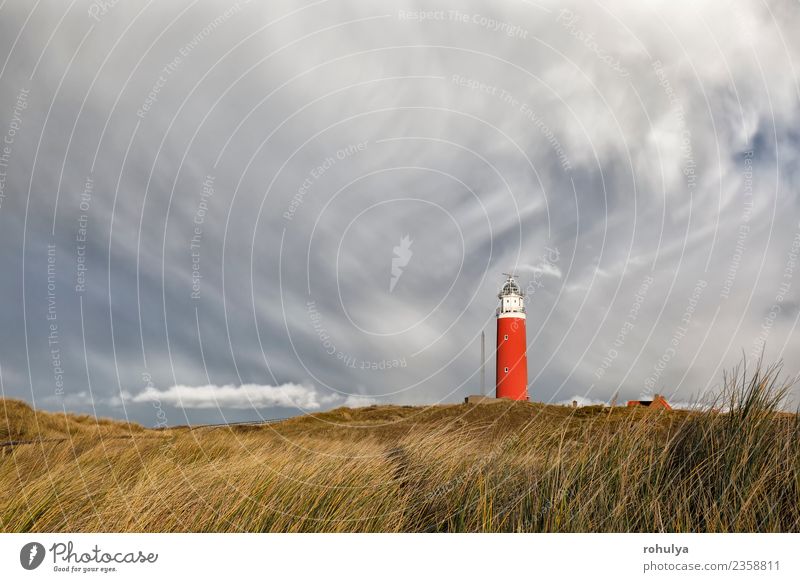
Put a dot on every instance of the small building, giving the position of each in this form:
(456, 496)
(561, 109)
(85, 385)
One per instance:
(658, 402)
(481, 400)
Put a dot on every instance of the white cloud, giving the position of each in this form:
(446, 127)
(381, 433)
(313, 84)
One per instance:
(355, 401)
(582, 401)
(248, 396)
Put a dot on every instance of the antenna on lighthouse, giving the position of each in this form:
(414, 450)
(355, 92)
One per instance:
(483, 363)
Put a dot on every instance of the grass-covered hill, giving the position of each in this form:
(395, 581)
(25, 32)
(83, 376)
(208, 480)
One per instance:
(480, 467)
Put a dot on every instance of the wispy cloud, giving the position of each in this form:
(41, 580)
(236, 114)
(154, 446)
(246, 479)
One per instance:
(545, 268)
(634, 121)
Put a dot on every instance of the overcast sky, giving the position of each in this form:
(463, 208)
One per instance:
(219, 210)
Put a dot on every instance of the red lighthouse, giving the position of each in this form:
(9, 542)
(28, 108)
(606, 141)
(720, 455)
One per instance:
(512, 361)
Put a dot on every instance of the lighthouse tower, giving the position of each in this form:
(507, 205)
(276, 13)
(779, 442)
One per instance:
(512, 361)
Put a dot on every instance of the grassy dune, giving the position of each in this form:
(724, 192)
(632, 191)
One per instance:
(489, 467)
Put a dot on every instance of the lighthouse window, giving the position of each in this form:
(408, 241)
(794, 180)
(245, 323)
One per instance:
(505, 336)
(506, 370)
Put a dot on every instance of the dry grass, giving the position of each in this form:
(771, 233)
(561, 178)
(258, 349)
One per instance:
(491, 467)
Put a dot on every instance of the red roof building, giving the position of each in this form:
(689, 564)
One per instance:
(658, 402)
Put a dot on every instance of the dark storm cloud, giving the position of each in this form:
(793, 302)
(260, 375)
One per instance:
(205, 199)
